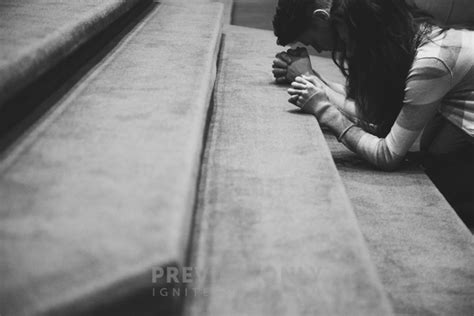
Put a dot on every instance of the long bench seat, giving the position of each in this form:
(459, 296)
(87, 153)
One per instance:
(275, 231)
(102, 188)
(37, 35)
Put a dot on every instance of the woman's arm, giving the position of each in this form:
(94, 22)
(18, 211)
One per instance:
(370, 147)
(289, 65)
(344, 105)
(336, 88)
(428, 82)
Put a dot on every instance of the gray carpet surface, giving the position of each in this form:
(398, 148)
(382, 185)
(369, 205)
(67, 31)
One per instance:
(277, 233)
(102, 189)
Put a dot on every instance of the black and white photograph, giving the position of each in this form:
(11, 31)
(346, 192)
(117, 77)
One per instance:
(236, 158)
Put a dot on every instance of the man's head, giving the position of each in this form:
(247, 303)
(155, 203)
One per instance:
(304, 21)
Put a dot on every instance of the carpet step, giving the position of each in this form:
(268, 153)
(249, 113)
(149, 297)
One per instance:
(275, 234)
(423, 251)
(101, 190)
(37, 35)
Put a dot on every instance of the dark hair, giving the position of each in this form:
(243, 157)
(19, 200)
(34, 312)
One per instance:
(293, 17)
(383, 38)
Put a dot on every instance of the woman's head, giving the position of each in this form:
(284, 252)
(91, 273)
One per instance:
(376, 43)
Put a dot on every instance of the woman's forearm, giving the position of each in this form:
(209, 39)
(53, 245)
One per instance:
(336, 87)
(336, 93)
(344, 105)
(311, 97)
(371, 148)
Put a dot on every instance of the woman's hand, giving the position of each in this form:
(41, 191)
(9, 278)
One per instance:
(309, 95)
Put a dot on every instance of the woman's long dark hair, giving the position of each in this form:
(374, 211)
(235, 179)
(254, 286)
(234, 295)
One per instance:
(383, 36)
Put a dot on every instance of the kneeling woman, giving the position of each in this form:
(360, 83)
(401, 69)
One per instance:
(405, 75)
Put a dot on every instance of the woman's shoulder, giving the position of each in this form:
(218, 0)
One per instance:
(446, 47)
(447, 12)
